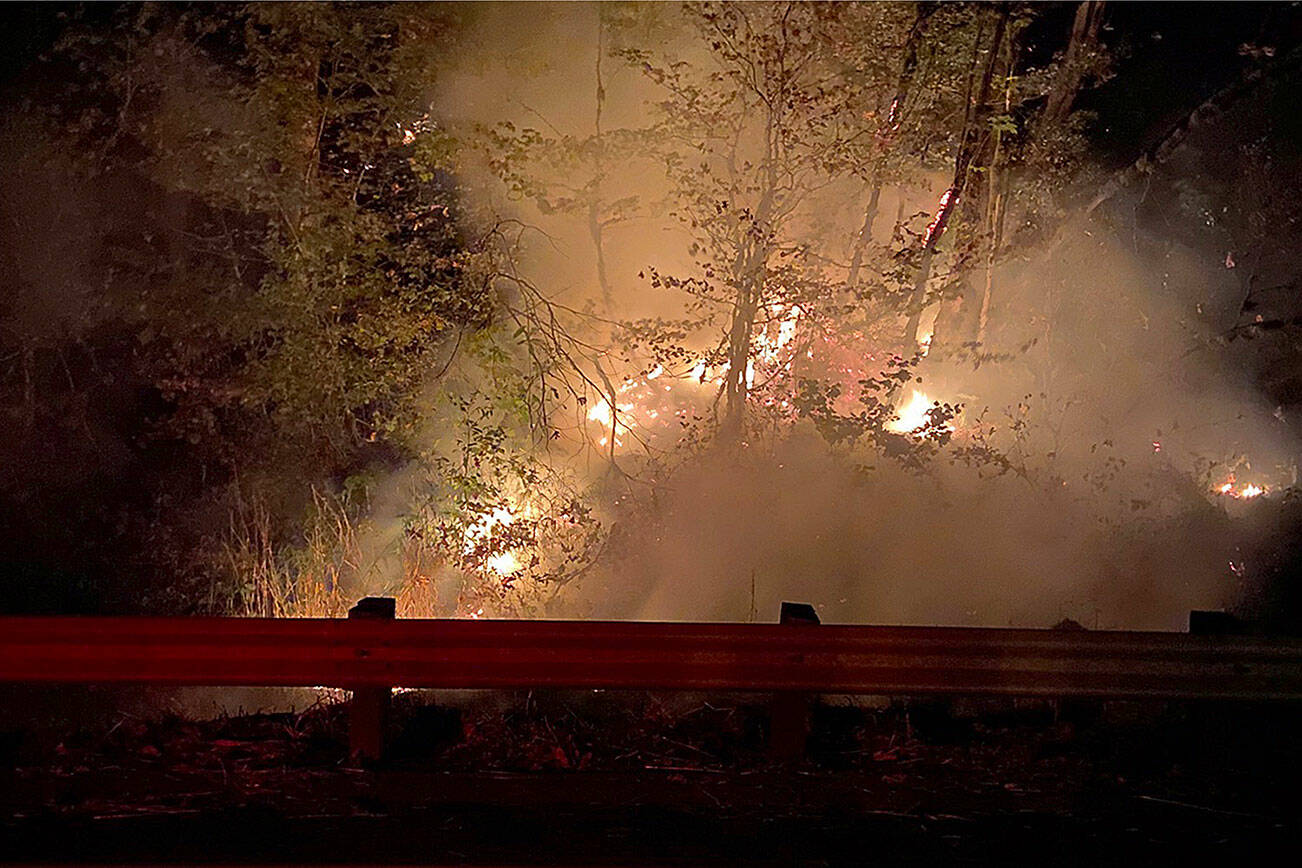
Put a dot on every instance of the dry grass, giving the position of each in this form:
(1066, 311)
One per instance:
(318, 576)
(339, 558)
(267, 582)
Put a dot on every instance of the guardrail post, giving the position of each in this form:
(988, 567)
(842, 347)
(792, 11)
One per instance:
(789, 712)
(369, 706)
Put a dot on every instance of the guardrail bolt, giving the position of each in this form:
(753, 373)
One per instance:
(369, 708)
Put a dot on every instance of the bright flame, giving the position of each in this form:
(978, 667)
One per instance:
(1246, 491)
(927, 328)
(770, 341)
(703, 373)
(501, 515)
(601, 412)
(505, 563)
(924, 341)
(937, 224)
(913, 415)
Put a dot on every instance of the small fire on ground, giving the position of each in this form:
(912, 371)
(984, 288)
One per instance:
(1243, 491)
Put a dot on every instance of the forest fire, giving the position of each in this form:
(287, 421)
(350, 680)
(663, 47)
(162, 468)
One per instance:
(480, 534)
(1244, 491)
(455, 288)
(924, 341)
(560, 354)
(912, 415)
(771, 340)
(612, 420)
(504, 564)
(941, 218)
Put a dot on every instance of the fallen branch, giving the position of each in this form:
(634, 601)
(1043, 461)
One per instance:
(1209, 111)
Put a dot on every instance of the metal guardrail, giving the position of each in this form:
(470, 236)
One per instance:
(377, 653)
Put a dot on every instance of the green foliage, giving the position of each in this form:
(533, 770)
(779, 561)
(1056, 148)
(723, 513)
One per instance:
(496, 510)
(331, 267)
(270, 231)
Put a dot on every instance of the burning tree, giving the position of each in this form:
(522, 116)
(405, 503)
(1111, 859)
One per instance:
(756, 132)
(763, 132)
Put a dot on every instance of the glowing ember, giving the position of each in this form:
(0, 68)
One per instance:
(937, 224)
(893, 117)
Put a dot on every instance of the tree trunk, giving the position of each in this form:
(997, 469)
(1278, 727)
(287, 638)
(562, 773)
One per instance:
(594, 202)
(749, 274)
(735, 386)
(1075, 61)
(865, 233)
(924, 12)
(1208, 112)
(969, 146)
(598, 244)
(995, 224)
(996, 204)
(918, 301)
(748, 278)
(893, 120)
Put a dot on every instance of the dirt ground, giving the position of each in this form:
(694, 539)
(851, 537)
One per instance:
(609, 778)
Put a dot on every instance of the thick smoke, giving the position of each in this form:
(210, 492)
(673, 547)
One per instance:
(1117, 409)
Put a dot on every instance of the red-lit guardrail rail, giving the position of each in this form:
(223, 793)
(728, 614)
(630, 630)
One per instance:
(365, 653)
